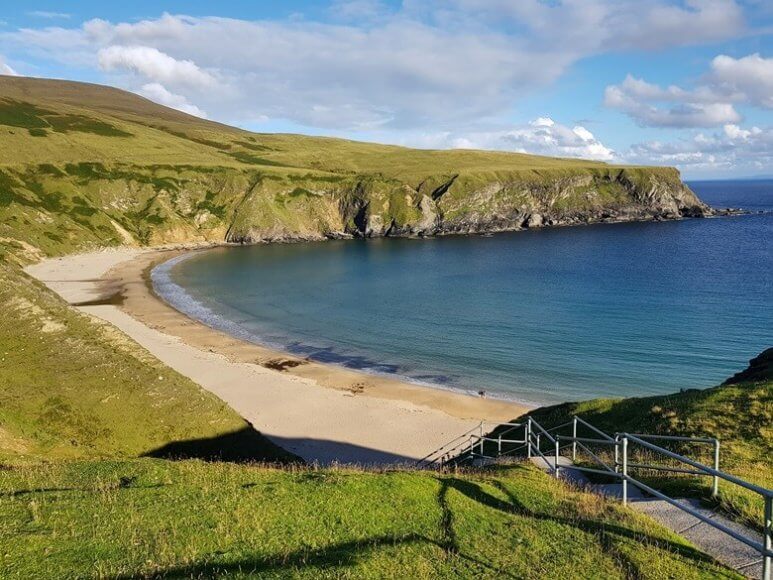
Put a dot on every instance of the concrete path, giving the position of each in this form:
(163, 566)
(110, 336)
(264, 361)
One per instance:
(726, 549)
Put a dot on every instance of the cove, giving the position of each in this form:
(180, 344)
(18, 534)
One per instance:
(539, 316)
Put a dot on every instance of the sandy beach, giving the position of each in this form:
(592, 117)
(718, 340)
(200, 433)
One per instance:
(320, 412)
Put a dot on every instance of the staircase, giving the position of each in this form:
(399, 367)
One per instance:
(582, 460)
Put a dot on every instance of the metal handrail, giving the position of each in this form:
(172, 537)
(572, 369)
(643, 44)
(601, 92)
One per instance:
(542, 429)
(708, 470)
(729, 531)
(534, 431)
(675, 438)
(765, 549)
(557, 427)
(592, 428)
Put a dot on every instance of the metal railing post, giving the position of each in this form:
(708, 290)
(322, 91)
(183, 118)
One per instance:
(539, 444)
(574, 436)
(617, 453)
(767, 543)
(499, 446)
(715, 482)
(556, 461)
(528, 438)
(625, 470)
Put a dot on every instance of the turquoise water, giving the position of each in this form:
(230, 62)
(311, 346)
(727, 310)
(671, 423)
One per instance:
(537, 316)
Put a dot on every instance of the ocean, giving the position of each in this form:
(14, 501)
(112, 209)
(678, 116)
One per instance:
(539, 316)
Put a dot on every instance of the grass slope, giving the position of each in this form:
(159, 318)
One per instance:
(739, 414)
(71, 386)
(148, 518)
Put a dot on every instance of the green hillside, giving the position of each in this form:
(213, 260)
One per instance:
(85, 165)
(146, 518)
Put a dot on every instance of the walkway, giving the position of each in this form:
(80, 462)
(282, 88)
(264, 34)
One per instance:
(725, 549)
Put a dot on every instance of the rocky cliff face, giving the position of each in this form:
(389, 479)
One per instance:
(60, 209)
(470, 204)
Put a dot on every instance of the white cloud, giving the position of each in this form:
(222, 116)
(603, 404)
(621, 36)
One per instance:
(5, 68)
(733, 150)
(48, 15)
(682, 109)
(158, 93)
(749, 78)
(155, 65)
(616, 24)
(729, 82)
(439, 64)
(542, 136)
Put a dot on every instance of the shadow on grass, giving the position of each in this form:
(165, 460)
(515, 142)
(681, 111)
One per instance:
(335, 557)
(605, 531)
(246, 445)
(343, 554)
(121, 484)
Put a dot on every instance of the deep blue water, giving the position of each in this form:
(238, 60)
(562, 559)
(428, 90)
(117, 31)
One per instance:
(539, 316)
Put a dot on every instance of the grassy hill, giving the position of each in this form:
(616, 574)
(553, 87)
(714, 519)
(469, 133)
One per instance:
(84, 165)
(150, 518)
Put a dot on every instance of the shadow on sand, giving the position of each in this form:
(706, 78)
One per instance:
(248, 445)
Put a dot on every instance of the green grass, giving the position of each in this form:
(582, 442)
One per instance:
(74, 387)
(740, 415)
(155, 518)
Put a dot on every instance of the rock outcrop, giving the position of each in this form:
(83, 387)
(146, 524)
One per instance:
(760, 369)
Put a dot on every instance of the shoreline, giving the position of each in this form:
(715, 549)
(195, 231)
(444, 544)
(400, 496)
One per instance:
(321, 412)
(221, 324)
(355, 381)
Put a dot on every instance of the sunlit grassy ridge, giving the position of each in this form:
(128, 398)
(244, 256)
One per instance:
(84, 165)
(150, 518)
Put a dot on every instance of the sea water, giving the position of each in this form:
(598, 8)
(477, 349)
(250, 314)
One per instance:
(538, 316)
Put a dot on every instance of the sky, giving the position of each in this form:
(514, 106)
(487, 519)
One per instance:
(660, 82)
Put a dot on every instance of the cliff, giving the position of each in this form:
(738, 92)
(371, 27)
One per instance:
(84, 166)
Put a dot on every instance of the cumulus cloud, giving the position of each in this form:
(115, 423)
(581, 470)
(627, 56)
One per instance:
(542, 136)
(731, 149)
(438, 64)
(5, 68)
(158, 93)
(745, 79)
(155, 65)
(730, 81)
(635, 97)
(546, 137)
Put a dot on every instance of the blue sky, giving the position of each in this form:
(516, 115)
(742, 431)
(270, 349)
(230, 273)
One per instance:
(686, 83)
